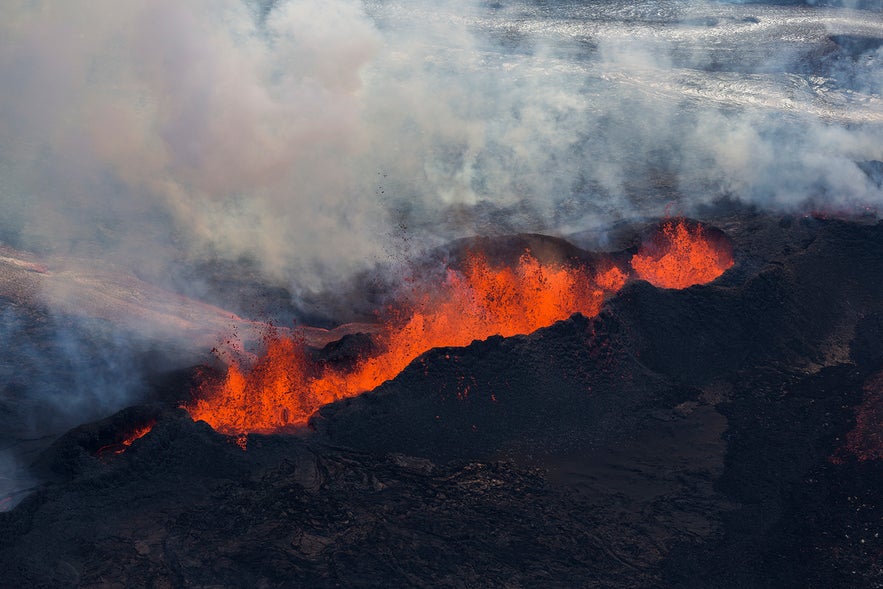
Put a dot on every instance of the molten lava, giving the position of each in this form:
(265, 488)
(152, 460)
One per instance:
(284, 387)
(680, 256)
(123, 445)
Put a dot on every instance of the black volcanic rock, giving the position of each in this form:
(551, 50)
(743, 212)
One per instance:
(186, 507)
(561, 389)
(690, 438)
(345, 352)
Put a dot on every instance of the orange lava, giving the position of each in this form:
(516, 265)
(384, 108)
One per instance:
(283, 389)
(680, 256)
(122, 446)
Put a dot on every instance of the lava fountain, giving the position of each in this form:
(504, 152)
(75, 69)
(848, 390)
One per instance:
(284, 387)
(682, 254)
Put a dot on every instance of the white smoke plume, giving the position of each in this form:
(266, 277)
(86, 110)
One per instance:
(302, 132)
(138, 126)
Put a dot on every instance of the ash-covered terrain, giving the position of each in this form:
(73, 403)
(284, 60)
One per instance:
(723, 435)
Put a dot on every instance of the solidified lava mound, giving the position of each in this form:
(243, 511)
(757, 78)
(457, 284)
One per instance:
(719, 435)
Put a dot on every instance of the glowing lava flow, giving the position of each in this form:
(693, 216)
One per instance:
(284, 388)
(122, 446)
(680, 256)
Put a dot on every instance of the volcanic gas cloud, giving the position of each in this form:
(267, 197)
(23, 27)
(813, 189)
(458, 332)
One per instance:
(284, 387)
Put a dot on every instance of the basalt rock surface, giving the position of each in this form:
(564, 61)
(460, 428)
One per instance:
(718, 436)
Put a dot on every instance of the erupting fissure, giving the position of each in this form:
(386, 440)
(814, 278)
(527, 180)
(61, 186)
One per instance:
(679, 256)
(284, 388)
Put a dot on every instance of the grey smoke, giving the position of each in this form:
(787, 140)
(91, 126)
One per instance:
(596, 111)
(15, 481)
(134, 130)
(57, 371)
(302, 133)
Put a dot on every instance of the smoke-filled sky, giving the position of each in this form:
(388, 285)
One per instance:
(310, 135)
(131, 127)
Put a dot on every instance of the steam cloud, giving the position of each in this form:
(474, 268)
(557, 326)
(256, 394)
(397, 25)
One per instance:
(301, 132)
(136, 126)
(323, 137)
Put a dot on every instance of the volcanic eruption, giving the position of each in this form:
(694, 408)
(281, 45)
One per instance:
(368, 293)
(678, 256)
(283, 388)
